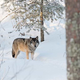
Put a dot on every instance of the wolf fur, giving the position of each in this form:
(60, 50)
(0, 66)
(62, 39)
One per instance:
(25, 45)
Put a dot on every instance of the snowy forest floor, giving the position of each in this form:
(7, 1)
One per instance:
(49, 59)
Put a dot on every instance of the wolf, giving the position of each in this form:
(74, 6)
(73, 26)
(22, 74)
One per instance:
(26, 45)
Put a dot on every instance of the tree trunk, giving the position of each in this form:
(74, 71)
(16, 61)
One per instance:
(73, 39)
(41, 19)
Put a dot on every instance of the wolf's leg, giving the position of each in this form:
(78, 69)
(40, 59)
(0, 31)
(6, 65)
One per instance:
(32, 55)
(27, 54)
(16, 53)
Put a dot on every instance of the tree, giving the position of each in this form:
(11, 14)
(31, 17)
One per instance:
(73, 39)
(41, 19)
(33, 13)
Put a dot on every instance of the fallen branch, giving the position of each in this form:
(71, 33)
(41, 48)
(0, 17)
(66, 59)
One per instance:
(6, 17)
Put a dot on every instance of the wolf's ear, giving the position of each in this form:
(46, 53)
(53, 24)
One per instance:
(37, 37)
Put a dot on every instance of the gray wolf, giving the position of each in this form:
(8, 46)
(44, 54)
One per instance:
(25, 45)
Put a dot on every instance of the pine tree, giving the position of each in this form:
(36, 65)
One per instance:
(41, 19)
(32, 13)
(73, 39)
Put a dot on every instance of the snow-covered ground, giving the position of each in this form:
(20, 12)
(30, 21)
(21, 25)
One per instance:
(49, 59)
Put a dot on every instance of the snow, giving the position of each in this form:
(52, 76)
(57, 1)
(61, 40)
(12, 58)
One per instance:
(49, 59)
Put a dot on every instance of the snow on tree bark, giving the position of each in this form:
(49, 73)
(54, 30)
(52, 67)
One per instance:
(73, 39)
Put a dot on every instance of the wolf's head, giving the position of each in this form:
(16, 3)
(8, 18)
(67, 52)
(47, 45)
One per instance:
(34, 42)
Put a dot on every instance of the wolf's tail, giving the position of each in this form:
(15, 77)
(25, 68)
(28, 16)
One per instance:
(13, 53)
